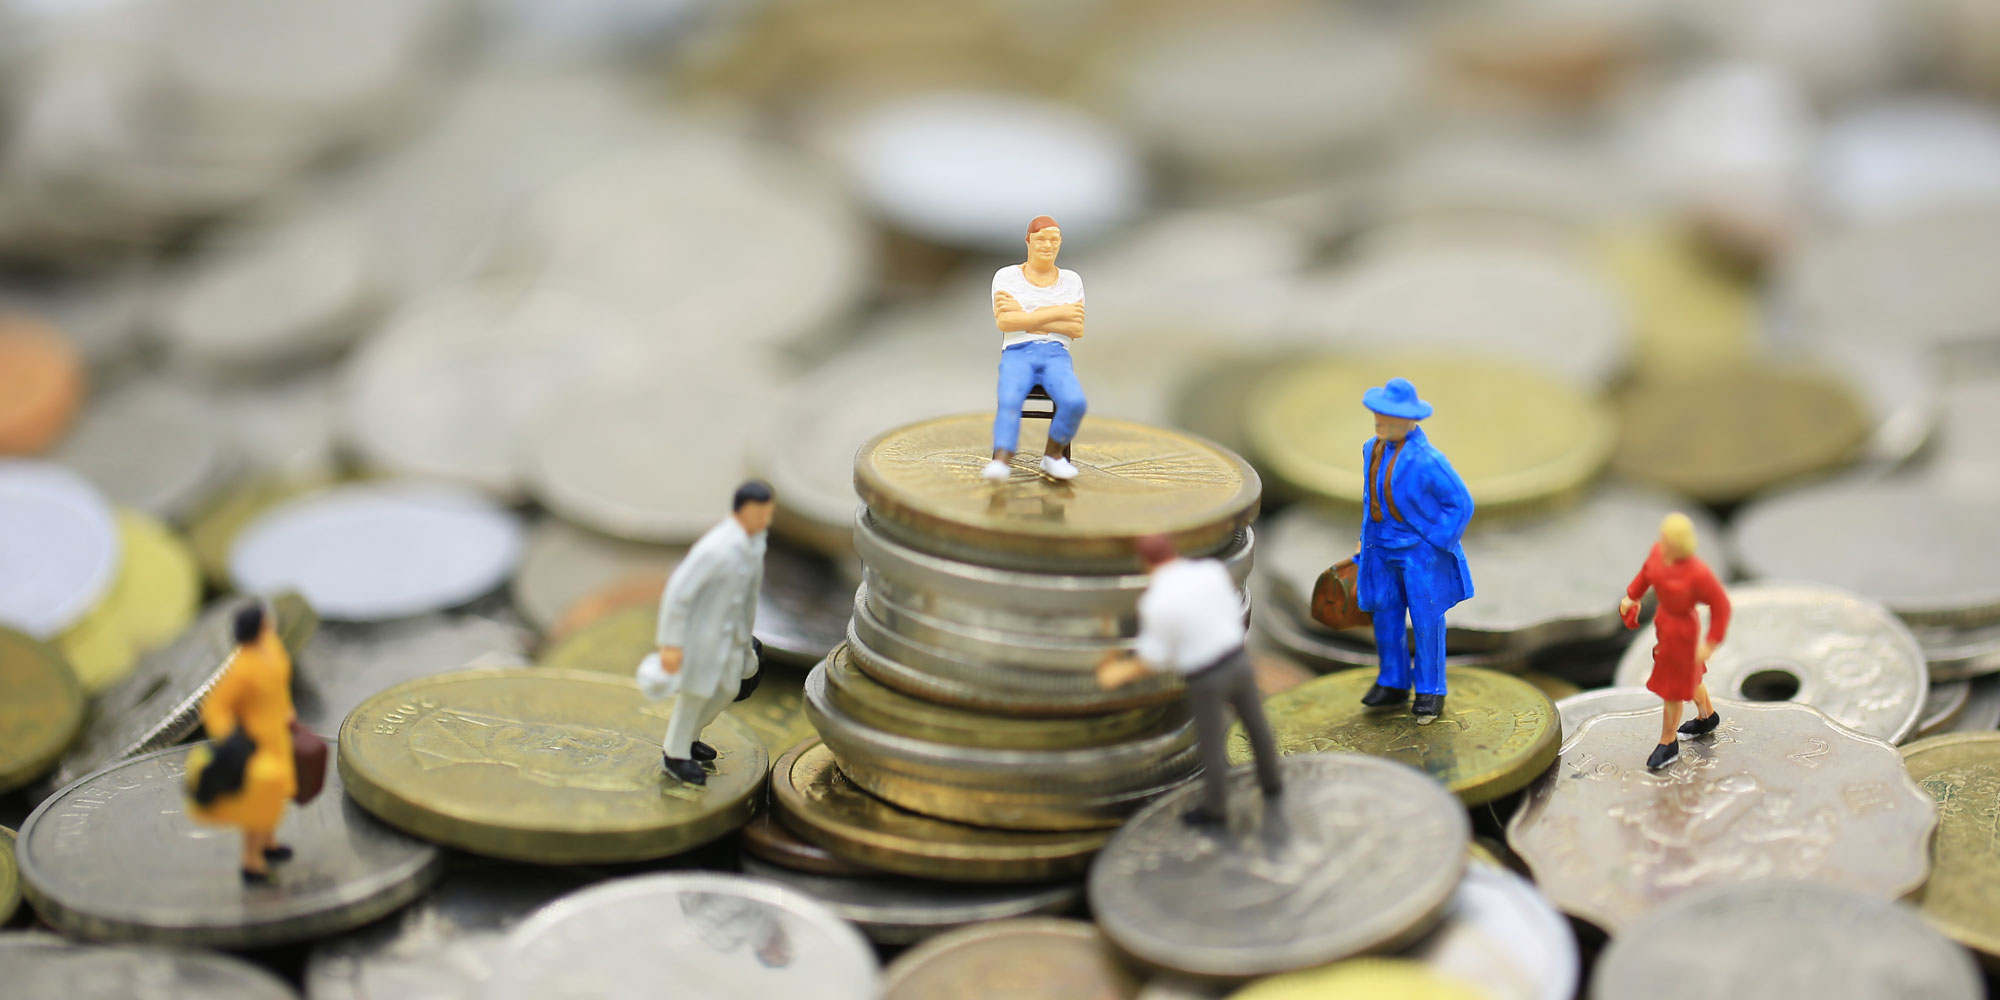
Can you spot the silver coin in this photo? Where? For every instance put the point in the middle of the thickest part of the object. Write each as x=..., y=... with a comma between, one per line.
x=1578, y=709
x=1913, y=279
x=1778, y=791
x=947, y=681
x=87, y=875
x=282, y=429
x=1359, y=854
x=159, y=704
x=1842, y=654
x=1783, y=939
x=344, y=665
x=593, y=454
x=444, y=946
x=151, y=445
x=1943, y=705
x=1982, y=708
x=1552, y=579
x=39, y=965
x=61, y=545
x=893, y=910
x=1959, y=653
x=1893, y=156
x=1967, y=455
x=563, y=563
x=1900, y=543
x=803, y=607
x=1501, y=933
x=709, y=935
x=376, y=551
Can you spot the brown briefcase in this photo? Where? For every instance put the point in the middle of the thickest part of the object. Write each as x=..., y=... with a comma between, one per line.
x=308, y=763
x=1333, y=601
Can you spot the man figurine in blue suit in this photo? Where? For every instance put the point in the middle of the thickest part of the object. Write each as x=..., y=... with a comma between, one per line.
x=1409, y=561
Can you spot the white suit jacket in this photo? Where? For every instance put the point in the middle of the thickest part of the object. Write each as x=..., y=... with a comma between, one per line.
x=710, y=606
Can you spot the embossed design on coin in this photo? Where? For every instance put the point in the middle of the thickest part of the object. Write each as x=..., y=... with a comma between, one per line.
x=1777, y=791
x=1496, y=734
x=1794, y=939
x=1961, y=772
x=1359, y=854
x=46, y=966
x=1846, y=655
x=548, y=766
x=1012, y=958
x=115, y=856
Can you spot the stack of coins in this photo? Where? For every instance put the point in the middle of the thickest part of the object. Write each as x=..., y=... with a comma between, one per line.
x=965, y=697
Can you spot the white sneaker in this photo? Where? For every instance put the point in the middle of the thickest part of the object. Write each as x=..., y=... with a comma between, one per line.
x=996, y=471
x=1058, y=468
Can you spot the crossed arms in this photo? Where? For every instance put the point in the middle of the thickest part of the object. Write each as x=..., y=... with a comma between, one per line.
x=1065, y=319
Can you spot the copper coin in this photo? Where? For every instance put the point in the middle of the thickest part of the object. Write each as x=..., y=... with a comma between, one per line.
x=41, y=383
x=769, y=839
x=634, y=591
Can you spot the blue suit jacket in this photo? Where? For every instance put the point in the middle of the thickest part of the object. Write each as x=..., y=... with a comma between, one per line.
x=1436, y=505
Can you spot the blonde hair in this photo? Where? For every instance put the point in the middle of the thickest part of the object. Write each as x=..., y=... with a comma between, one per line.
x=1677, y=530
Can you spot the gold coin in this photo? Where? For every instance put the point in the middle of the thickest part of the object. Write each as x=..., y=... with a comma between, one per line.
x=881, y=707
x=616, y=642
x=1496, y=735
x=213, y=531
x=1691, y=313
x=812, y=797
x=1555, y=687
x=42, y=711
x=155, y=595
x=1722, y=435
x=546, y=766
x=922, y=482
x=1962, y=899
x=1519, y=439
x=1363, y=979
x=1042, y=957
x=10, y=877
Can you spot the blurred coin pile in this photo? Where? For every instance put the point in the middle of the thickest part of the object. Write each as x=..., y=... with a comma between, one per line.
x=454, y=321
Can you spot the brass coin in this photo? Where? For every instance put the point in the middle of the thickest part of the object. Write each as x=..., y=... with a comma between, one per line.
x=1721, y=435
x=1402, y=978
x=547, y=766
x=812, y=797
x=42, y=711
x=10, y=877
x=1690, y=311
x=1005, y=959
x=767, y=839
x=152, y=600
x=922, y=483
x=1962, y=899
x=1497, y=733
x=616, y=642
x=1519, y=439
x=874, y=704
x=41, y=383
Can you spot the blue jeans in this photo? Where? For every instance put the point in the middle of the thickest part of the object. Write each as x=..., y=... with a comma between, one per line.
x=1403, y=587
x=1021, y=368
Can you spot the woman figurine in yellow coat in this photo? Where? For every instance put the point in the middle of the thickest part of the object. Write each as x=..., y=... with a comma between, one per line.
x=249, y=775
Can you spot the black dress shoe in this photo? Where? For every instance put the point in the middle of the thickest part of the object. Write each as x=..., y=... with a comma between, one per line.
x=256, y=878
x=278, y=852
x=1428, y=706
x=1702, y=727
x=1201, y=818
x=1382, y=697
x=687, y=771
x=701, y=751
x=1664, y=754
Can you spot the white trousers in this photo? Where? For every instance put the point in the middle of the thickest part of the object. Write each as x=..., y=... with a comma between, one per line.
x=692, y=715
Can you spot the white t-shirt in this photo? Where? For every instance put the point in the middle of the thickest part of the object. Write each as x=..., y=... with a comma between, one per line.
x=1190, y=616
x=1010, y=279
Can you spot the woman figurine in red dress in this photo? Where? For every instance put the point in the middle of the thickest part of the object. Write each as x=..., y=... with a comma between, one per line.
x=1679, y=661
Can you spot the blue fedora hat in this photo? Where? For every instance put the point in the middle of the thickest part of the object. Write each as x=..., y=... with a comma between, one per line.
x=1396, y=398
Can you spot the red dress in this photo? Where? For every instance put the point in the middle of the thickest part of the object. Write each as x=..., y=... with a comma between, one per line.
x=1681, y=586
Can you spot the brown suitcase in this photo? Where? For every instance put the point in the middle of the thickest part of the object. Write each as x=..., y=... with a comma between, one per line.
x=1333, y=602
x=308, y=763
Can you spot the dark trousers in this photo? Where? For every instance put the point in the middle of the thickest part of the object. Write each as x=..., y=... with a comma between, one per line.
x=1211, y=692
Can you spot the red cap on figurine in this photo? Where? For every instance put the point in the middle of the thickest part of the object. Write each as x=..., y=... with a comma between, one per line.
x=1041, y=222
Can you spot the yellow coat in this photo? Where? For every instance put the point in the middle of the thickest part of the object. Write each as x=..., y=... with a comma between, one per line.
x=255, y=693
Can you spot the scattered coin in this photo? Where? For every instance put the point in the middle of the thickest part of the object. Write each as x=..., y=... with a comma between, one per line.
x=769, y=840
x=1003, y=959
x=1331, y=652
x=212, y=533
x=10, y=877
x=344, y=664
x=894, y=910
x=562, y=563
x=1687, y=433
x=1783, y=939
x=152, y=445
x=812, y=796
x=546, y=766
x=1363, y=977
x=1961, y=772
x=1496, y=735
x=1778, y=791
x=1982, y=709
x=1910, y=278
x=1842, y=654
x=1942, y=706
x=87, y=875
x=711, y=935
x=1959, y=653
x=61, y=540
x=1358, y=855
x=151, y=601
x=42, y=713
x=803, y=607
x=1503, y=935
x=43, y=965
x=1689, y=311
x=41, y=384
x=375, y=551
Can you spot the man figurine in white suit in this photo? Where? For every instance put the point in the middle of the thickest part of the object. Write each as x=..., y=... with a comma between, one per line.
x=707, y=656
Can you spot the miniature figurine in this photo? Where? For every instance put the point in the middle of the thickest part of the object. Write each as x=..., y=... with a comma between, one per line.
x=1408, y=559
x=707, y=656
x=1682, y=581
x=1191, y=622
x=1039, y=310
x=246, y=774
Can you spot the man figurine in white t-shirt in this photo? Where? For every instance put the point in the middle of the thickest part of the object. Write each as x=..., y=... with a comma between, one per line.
x=1039, y=310
x=1191, y=622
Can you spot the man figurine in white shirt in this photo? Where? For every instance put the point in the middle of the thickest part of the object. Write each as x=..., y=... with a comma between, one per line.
x=707, y=656
x=1039, y=310
x=1190, y=622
